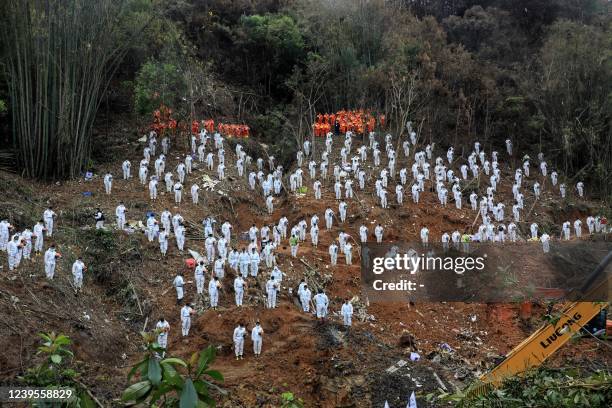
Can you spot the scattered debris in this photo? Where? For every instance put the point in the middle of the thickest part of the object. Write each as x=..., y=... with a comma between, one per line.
x=407, y=340
x=208, y=183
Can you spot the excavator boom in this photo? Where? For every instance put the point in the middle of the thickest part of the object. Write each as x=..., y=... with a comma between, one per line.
x=545, y=341
x=542, y=344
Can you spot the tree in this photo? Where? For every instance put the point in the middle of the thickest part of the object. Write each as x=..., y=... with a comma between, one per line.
x=403, y=71
x=54, y=371
x=61, y=59
x=271, y=45
x=308, y=85
x=158, y=83
x=572, y=94
x=491, y=34
x=162, y=382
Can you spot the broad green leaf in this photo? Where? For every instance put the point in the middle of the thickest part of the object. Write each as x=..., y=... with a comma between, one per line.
x=202, y=404
x=207, y=356
x=137, y=367
x=201, y=387
x=157, y=348
x=167, y=370
x=216, y=387
x=85, y=401
x=174, y=360
x=56, y=358
x=193, y=360
x=159, y=392
x=62, y=340
x=44, y=349
x=208, y=401
x=154, y=372
x=171, y=376
x=189, y=396
x=216, y=375
x=136, y=391
x=69, y=373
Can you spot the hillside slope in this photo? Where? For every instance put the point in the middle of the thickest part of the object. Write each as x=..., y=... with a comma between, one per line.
x=129, y=286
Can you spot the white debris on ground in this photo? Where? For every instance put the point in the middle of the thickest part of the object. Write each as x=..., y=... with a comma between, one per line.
x=208, y=183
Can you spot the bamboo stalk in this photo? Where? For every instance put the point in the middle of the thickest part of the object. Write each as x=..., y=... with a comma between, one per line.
x=63, y=55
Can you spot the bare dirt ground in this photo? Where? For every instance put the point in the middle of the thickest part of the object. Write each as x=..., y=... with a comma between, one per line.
x=129, y=287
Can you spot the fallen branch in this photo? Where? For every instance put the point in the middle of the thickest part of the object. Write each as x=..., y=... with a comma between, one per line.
x=91, y=395
x=136, y=296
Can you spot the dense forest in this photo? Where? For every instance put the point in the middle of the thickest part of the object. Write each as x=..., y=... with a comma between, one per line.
x=536, y=71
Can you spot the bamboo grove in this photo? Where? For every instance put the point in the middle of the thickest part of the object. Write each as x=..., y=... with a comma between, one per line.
x=59, y=56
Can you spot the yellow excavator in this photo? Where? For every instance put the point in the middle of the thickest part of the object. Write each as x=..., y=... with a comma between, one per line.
x=550, y=337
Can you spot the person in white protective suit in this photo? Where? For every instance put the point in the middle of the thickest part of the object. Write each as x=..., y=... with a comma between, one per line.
x=162, y=328
x=255, y=259
x=347, y=313
x=78, y=267
x=162, y=238
x=13, y=248
x=120, y=214
x=239, y=285
x=378, y=233
x=50, y=258
x=321, y=302
x=186, y=312
x=238, y=337
x=5, y=232
x=200, y=271
x=108, y=183
x=545, y=239
x=271, y=291
x=195, y=193
x=213, y=292
x=179, y=284
x=257, y=338
x=126, y=167
x=244, y=261
x=49, y=218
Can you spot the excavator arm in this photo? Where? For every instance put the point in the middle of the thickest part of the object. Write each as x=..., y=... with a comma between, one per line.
x=542, y=344
x=545, y=341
